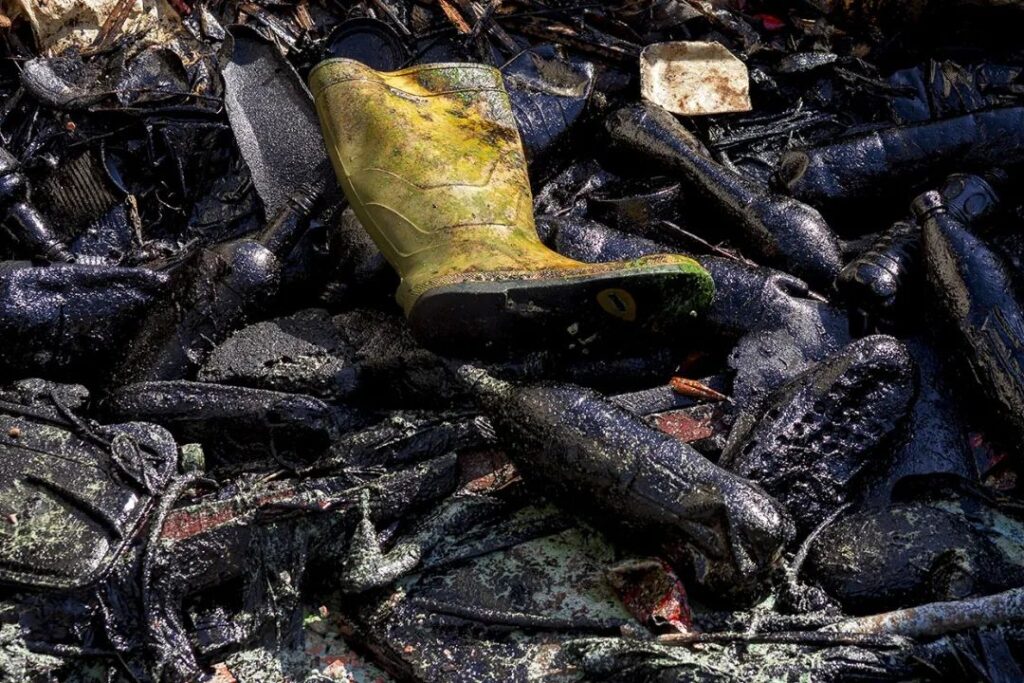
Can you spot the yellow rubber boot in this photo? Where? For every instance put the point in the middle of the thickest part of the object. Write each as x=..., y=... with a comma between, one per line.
x=431, y=162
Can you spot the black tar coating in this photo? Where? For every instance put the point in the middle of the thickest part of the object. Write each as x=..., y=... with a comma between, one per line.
x=897, y=158
x=779, y=328
x=403, y=438
x=63, y=82
x=268, y=549
x=63, y=321
x=273, y=119
x=878, y=279
x=811, y=443
x=213, y=293
x=72, y=498
x=776, y=229
x=607, y=464
x=628, y=659
x=361, y=274
x=637, y=206
x=593, y=242
x=27, y=225
x=236, y=423
x=935, y=435
x=888, y=274
x=974, y=292
x=934, y=543
x=548, y=95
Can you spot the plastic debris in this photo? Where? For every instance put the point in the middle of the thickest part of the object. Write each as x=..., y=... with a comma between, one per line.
x=63, y=24
x=681, y=382
x=480, y=286
x=694, y=78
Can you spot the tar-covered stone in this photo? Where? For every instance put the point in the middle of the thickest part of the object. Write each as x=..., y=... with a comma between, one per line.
x=935, y=543
x=302, y=352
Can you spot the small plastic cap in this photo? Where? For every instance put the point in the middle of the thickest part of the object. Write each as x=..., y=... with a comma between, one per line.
x=926, y=203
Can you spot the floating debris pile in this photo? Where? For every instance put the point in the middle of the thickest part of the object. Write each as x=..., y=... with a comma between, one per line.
x=450, y=340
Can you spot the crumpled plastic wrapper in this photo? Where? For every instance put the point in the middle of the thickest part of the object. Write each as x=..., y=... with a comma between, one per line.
x=62, y=24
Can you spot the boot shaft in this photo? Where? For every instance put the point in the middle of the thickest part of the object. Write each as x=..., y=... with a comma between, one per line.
x=431, y=160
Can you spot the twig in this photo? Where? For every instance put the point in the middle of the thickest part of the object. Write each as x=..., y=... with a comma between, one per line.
x=810, y=294
x=454, y=16
x=500, y=617
x=485, y=17
x=383, y=7
x=482, y=17
x=713, y=248
x=111, y=27
x=618, y=51
x=783, y=637
x=937, y=618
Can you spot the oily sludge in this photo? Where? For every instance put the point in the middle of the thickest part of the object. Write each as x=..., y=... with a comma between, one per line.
x=464, y=341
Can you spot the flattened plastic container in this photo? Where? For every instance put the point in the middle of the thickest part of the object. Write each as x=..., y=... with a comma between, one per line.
x=694, y=78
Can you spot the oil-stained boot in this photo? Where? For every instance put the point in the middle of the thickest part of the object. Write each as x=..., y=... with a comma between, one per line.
x=431, y=161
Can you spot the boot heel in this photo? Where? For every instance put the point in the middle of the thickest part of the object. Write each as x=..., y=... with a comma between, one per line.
x=567, y=313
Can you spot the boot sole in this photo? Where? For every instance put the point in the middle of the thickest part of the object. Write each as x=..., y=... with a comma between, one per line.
x=571, y=314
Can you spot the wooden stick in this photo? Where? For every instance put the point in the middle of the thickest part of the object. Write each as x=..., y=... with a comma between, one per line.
x=453, y=16
x=111, y=27
x=937, y=618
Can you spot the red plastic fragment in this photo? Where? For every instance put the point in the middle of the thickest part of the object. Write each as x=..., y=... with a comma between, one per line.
x=770, y=22
x=201, y=518
x=652, y=592
x=683, y=426
x=997, y=470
